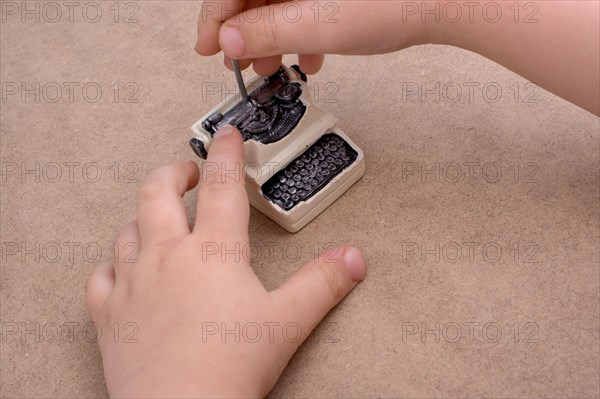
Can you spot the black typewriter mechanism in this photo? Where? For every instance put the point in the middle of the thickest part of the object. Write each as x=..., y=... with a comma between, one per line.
x=271, y=112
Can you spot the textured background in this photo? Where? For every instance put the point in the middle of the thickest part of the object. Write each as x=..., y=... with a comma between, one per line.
x=483, y=272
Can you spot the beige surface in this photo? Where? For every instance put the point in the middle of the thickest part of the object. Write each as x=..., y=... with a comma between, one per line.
x=551, y=217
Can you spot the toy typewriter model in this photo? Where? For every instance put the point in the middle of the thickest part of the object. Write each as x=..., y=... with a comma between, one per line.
x=301, y=161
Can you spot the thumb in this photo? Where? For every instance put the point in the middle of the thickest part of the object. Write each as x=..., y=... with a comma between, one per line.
x=320, y=285
x=288, y=28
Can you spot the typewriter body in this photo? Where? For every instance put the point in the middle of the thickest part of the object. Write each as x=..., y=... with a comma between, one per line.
x=297, y=161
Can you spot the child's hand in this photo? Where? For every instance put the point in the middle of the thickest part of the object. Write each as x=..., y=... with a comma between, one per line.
x=308, y=28
x=205, y=324
x=552, y=43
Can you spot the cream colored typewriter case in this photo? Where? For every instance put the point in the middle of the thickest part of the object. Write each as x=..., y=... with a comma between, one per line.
x=277, y=165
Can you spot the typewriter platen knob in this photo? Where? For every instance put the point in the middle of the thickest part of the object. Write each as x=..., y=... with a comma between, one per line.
x=199, y=148
x=289, y=92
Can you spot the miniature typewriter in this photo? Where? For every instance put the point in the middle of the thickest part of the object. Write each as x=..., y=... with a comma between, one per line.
x=301, y=161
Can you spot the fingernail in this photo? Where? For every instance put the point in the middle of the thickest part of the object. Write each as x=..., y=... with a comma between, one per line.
x=355, y=262
x=232, y=42
x=224, y=131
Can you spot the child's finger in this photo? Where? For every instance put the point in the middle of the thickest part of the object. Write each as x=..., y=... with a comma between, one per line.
x=161, y=211
x=310, y=63
x=243, y=63
x=212, y=15
x=318, y=286
x=267, y=66
x=97, y=288
x=222, y=199
x=127, y=248
x=209, y=22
